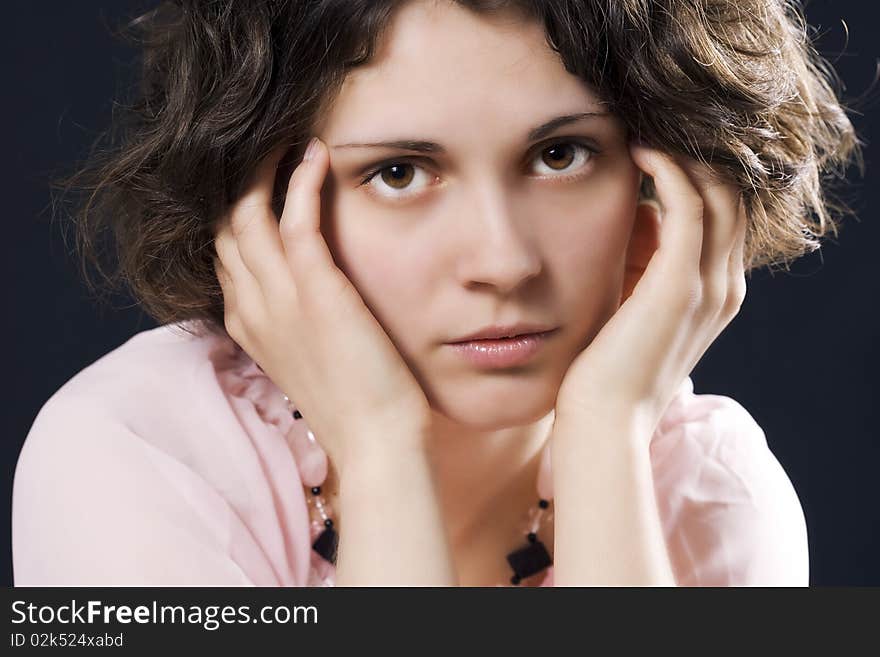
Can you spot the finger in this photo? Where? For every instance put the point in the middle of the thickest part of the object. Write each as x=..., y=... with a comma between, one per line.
x=736, y=265
x=255, y=228
x=247, y=292
x=681, y=227
x=307, y=252
x=226, y=285
x=736, y=261
x=720, y=214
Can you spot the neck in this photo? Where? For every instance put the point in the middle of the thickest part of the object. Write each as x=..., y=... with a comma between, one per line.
x=482, y=475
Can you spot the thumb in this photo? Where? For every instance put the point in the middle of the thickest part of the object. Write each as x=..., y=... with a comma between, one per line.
x=644, y=241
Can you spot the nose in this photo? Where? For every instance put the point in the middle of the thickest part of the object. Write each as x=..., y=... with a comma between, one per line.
x=499, y=247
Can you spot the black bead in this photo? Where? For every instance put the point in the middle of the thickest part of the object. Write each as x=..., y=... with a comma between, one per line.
x=532, y=536
x=326, y=545
x=316, y=490
x=543, y=504
x=529, y=560
x=515, y=580
x=328, y=523
x=297, y=415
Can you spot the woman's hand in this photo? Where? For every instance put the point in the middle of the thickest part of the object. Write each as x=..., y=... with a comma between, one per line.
x=691, y=289
x=303, y=322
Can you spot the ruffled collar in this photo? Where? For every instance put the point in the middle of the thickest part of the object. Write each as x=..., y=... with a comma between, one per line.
x=270, y=403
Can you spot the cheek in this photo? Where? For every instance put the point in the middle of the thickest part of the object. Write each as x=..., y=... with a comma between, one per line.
x=586, y=240
x=380, y=263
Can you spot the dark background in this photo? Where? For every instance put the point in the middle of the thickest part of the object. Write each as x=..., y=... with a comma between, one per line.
x=801, y=356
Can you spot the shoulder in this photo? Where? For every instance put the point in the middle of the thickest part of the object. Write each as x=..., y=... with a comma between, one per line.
x=175, y=379
x=193, y=398
x=171, y=439
x=699, y=425
x=146, y=370
x=731, y=514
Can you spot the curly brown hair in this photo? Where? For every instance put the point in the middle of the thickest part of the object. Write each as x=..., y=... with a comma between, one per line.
x=736, y=84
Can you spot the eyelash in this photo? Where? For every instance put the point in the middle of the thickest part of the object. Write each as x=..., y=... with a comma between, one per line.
x=374, y=171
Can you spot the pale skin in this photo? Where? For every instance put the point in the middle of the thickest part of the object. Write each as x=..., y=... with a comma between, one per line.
x=346, y=300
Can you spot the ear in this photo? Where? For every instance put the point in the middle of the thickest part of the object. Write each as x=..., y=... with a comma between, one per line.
x=643, y=242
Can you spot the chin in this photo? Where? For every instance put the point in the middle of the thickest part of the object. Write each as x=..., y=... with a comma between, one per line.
x=496, y=406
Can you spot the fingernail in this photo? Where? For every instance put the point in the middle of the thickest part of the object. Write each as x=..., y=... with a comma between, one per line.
x=310, y=151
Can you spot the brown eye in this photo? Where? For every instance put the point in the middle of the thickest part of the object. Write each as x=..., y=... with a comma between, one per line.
x=397, y=181
x=558, y=156
x=568, y=157
x=397, y=176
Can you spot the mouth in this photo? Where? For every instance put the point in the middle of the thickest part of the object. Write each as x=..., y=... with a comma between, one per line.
x=511, y=351
x=505, y=332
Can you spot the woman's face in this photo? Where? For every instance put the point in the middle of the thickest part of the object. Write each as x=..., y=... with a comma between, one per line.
x=493, y=225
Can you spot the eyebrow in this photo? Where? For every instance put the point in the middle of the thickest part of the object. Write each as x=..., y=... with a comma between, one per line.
x=421, y=146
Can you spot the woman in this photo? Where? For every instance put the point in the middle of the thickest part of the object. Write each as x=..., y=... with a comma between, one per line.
x=337, y=323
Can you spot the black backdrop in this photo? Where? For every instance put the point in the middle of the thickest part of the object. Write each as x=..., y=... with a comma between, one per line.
x=801, y=356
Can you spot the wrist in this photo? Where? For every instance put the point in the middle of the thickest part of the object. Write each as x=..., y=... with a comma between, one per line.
x=376, y=453
x=382, y=478
x=628, y=426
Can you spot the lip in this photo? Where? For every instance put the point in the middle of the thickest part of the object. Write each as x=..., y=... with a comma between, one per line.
x=502, y=352
x=508, y=331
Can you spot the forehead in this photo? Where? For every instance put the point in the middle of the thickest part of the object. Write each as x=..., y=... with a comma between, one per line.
x=440, y=65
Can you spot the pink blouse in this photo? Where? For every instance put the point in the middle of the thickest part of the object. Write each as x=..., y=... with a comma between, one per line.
x=174, y=460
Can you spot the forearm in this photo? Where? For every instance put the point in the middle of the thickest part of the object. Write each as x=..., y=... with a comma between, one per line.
x=394, y=533
x=607, y=526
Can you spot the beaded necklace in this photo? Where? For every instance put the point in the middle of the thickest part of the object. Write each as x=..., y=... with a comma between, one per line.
x=525, y=561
